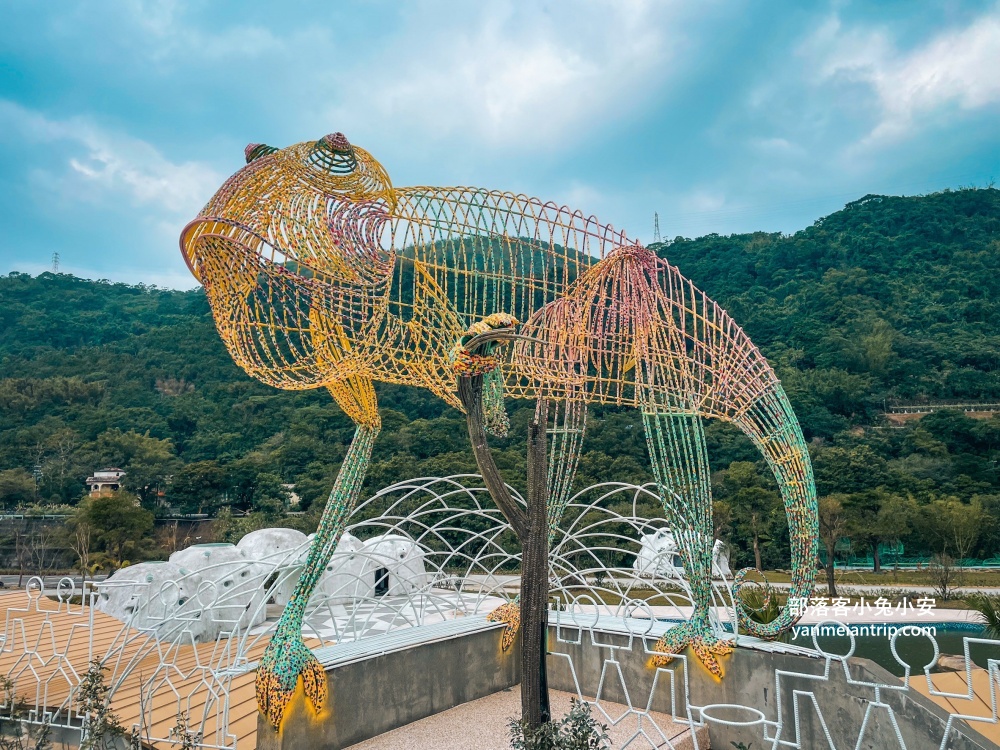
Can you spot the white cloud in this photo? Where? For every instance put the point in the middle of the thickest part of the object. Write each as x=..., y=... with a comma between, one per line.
x=514, y=76
x=102, y=166
x=165, y=35
x=702, y=200
x=955, y=68
x=581, y=196
x=74, y=168
x=776, y=147
x=156, y=17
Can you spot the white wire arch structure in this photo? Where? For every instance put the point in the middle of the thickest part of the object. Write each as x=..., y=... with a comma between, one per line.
x=442, y=551
x=190, y=635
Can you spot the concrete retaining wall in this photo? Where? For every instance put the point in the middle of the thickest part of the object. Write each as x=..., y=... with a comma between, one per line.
x=375, y=694
x=750, y=681
x=372, y=696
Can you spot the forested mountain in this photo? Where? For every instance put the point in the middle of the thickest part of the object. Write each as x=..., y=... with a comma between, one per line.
x=890, y=298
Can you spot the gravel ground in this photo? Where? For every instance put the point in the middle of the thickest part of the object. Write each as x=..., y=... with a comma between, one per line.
x=482, y=725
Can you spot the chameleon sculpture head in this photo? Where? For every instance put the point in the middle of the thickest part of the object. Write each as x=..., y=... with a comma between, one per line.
x=321, y=273
x=288, y=252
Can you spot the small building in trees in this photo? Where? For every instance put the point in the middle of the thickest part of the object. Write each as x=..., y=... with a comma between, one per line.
x=104, y=482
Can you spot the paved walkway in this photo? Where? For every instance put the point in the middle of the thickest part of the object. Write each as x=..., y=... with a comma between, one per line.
x=583, y=615
x=482, y=725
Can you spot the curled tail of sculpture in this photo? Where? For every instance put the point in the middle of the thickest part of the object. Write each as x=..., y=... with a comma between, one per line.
x=801, y=588
x=784, y=448
x=801, y=513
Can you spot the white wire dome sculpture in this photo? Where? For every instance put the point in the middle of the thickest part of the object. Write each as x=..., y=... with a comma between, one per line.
x=468, y=560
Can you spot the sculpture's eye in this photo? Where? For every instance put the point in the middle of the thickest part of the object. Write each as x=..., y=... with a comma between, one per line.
x=254, y=151
x=334, y=153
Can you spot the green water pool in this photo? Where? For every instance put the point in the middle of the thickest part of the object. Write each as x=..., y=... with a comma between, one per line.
x=914, y=648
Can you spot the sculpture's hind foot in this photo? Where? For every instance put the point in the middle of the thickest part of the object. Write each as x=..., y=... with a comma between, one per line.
x=284, y=661
x=509, y=613
x=705, y=645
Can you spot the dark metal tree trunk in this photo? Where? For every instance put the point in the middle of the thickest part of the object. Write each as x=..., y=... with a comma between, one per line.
x=532, y=531
x=535, y=580
x=876, y=560
x=470, y=393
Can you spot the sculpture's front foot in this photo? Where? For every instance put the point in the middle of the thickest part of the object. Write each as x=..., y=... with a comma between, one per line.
x=284, y=661
x=509, y=613
x=705, y=645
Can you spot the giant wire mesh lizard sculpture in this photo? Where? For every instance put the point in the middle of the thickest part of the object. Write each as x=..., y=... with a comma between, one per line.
x=321, y=273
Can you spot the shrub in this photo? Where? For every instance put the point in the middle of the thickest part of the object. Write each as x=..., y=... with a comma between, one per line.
x=759, y=606
x=102, y=727
x=577, y=730
x=989, y=613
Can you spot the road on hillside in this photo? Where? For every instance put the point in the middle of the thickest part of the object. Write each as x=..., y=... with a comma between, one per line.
x=512, y=583
x=10, y=582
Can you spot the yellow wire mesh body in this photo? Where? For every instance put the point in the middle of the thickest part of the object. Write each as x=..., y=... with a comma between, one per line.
x=314, y=277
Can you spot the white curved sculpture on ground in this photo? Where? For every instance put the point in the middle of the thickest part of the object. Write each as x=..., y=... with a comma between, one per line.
x=720, y=559
x=208, y=590
x=238, y=583
x=161, y=596
x=384, y=565
x=659, y=557
x=394, y=564
x=281, y=550
x=344, y=579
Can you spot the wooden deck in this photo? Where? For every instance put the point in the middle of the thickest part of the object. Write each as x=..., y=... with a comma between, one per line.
x=980, y=704
x=48, y=647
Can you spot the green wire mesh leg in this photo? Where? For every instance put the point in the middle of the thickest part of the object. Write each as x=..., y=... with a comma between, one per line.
x=565, y=445
x=565, y=437
x=680, y=466
x=286, y=656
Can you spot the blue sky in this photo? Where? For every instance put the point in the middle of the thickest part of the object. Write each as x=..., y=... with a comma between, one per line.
x=119, y=119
